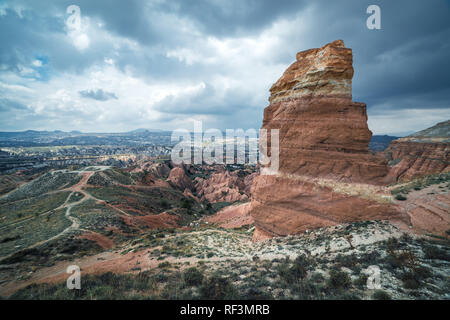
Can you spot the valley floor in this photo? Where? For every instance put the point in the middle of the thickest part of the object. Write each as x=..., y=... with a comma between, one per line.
x=130, y=244
x=329, y=263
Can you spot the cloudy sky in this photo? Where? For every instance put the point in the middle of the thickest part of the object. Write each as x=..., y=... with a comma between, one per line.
x=162, y=64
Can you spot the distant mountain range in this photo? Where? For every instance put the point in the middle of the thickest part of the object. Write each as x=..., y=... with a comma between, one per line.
x=33, y=138
x=442, y=129
x=141, y=136
x=380, y=143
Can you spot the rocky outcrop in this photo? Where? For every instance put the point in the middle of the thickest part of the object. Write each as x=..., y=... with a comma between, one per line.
x=326, y=71
x=224, y=186
x=180, y=179
x=323, y=133
x=420, y=154
x=412, y=160
x=324, y=153
x=429, y=209
x=284, y=205
x=156, y=169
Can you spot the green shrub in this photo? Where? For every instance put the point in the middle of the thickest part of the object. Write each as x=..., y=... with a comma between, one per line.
x=164, y=204
x=164, y=264
x=381, y=295
x=296, y=271
x=347, y=296
x=400, y=197
x=186, y=204
x=299, y=268
x=257, y=294
x=193, y=277
x=218, y=288
x=339, y=280
x=362, y=280
x=411, y=283
x=432, y=252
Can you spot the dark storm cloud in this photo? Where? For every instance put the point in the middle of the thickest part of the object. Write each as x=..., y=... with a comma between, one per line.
x=98, y=94
x=226, y=18
x=7, y=105
x=207, y=100
x=403, y=66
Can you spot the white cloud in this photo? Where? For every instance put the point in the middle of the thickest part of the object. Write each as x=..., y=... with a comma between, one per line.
x=166, y=67
x=405, y=121
x=37, y=63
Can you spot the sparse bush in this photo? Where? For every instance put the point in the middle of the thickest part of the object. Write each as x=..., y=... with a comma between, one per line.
x=161, y=277
x=349, y=261
x=164, y=204
x=296, y=271
x=317, y=277
x=381, y=295
x=218, y=288
x=433, y=252
x=164, y=264
x=400, y=197
x=257, y=294
x=411, y=283
x=392, y=244
x=393, y=262
x=186, y=204
x=347, y=296
x=362, y=280
x=193, y=277
x=299, y=268
x=339, y=280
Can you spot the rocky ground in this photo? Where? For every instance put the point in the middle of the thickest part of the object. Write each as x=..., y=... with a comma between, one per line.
x=327, y=263
x=130, y=244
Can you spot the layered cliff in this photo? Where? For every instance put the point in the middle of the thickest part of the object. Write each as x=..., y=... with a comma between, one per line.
x=323, y=133
x=420, y=154
x=326, y=173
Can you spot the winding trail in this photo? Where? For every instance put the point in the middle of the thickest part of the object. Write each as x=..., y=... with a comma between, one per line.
x=77, y=188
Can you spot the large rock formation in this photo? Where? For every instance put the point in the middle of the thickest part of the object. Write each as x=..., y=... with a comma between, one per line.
x=326, y=173
x=180, y=179
x=225, y=186
x=422, y=153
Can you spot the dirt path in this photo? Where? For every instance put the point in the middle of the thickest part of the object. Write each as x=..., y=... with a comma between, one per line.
x=86, y=196
x=77, y=188
x=68, y=206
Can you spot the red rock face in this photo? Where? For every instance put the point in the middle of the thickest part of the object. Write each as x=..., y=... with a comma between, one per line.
x=234, y=216
x=224, y=187
x=417, y=159
x=281, y=206
x=325, y=137
x=179, y=179
x=324, y=149
x=157, y=170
